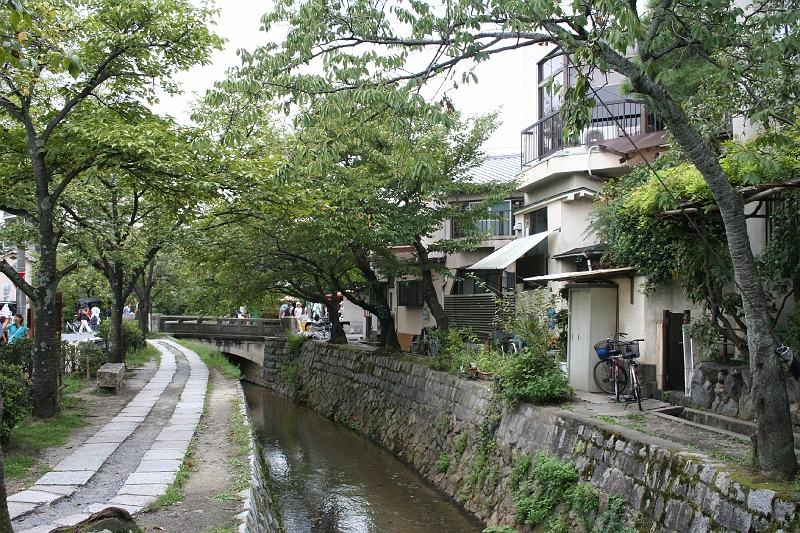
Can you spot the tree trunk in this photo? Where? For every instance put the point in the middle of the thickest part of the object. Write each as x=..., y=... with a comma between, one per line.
x=115, y=344
x=5, y=519
x=431, y=293
x=775, y=440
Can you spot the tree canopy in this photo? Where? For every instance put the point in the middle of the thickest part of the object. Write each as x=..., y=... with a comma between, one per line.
x=751, y=49
x=70, y=67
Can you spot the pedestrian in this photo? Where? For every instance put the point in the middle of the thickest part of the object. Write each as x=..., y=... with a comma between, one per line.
x=3, y=329
x=19, y=329
x=84, y=318
x=126, y=312
x=94, y=321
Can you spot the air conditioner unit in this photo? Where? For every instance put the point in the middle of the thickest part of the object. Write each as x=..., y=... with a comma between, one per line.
x=592, y=137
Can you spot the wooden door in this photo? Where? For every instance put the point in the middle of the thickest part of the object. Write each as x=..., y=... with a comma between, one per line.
x=673, y=351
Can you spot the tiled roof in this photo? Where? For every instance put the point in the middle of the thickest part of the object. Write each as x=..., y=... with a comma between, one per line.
x=503, y=168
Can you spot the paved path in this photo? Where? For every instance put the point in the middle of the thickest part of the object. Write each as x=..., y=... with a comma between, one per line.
x=155, y=427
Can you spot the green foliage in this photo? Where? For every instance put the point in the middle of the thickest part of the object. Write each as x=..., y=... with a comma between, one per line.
x=443, y=462
x=538, y=491
x=289, y=374
x=132, y=337
x=213, y=359
x=452, y=354
x=533, y=374
x=18, y=353
x=545, y=490
x=295, y=341
x=15, y=389
x=79, y=356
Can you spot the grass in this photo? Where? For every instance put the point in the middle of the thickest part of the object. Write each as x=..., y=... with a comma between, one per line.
x=239, y=437
x=138, y=358
x=213, y=358
x=32, y=435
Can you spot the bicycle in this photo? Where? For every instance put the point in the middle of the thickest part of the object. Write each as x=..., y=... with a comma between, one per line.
x=506, y=342
x=72, y=326
x=610, y=374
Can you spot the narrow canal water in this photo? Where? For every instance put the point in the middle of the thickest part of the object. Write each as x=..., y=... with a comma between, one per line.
x=330, y=479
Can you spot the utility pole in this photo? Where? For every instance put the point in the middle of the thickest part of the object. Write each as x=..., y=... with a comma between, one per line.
x=22, y=299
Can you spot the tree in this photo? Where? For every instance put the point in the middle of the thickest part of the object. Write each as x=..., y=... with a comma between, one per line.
x=61, y=58
x=132, y=206
x=5, y=518
x=753, y=49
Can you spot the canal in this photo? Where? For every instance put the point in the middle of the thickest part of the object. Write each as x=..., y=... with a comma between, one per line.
x=330, y=479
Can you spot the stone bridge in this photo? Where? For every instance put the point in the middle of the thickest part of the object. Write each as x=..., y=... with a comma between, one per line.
x=242, y=337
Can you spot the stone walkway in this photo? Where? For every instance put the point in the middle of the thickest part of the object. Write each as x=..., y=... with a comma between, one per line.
x=156, y=428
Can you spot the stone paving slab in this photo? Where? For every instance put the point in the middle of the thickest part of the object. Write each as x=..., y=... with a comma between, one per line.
x=16, y=509
x=171, y=445
x=87, y=457
x=135, y=411
x=97, y=507
x=64, y=490
x=136, y=419
x=117, y=425
x=163, y=455
x=180, y=427
x=171, y=465
x=177, y=436
x=35, y=496
x=131, y=499
x=107, y=438
x=47, y=528
x=150, y=489
x=65, y=478
x=147, y=478
x=73, y=519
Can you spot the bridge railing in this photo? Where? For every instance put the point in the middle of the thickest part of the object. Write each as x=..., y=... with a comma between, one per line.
x=210, y=325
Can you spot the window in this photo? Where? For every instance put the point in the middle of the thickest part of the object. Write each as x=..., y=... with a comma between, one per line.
x=499, y=224
x=550, y=68
x=410, y=293
x=534, y=263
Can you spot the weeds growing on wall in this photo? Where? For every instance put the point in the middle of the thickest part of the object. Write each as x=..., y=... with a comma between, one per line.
x=289, y=374
x=545, y=490
x=294, y=342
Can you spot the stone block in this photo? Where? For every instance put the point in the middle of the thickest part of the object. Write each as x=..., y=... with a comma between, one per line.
x=109, y=376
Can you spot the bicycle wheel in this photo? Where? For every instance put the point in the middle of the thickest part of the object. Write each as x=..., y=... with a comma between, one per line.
x=636, y=388
x=602, y=375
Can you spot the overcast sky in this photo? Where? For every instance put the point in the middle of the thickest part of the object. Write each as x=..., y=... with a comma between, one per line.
x=501, y=79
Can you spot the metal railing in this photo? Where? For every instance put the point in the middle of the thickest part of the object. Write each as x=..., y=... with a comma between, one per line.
x=546, y=136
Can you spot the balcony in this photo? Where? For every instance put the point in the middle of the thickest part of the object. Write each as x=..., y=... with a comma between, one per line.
x=546, y=137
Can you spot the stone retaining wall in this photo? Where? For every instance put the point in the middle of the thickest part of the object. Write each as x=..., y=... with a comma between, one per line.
x=260, y=514
x=724, y=389
x=433, y=421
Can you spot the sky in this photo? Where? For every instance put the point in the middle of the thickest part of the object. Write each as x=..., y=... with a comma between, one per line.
x=501, y=80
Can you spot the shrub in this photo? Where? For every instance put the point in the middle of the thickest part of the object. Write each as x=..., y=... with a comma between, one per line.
x=452, y=354
x=82, y=355
x=15, y=389
x=18, y=353
x=132, y=337
x=533, y=374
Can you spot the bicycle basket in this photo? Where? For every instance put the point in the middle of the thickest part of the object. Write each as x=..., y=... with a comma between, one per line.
x=603, y=349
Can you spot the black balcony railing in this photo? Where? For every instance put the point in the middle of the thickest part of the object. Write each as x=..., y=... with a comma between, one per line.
x=608, y=122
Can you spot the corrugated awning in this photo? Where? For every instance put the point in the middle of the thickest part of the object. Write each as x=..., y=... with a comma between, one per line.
x=587, y=275
x=501, y=258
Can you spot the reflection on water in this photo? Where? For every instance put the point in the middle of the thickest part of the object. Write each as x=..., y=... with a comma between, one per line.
x=330, y=479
